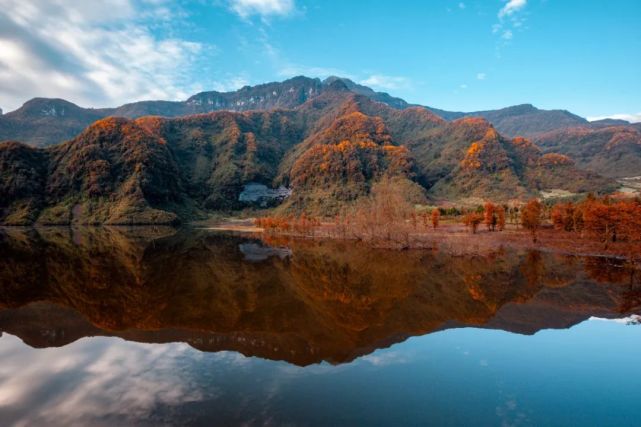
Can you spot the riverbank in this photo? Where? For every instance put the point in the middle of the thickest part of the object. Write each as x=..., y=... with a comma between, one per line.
x=449, y=236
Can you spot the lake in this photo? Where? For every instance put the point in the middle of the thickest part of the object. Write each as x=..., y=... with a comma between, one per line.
x=156, y=326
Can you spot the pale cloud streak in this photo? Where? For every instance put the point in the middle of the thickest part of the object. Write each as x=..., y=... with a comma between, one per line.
x=507, y=35
x=510, y=19
x=92, y=53
x=630, y=117
x=291, y=70
x=263, y=8
x=380, y=81
x=511, y=7
x=230, y=84
x=94, y=379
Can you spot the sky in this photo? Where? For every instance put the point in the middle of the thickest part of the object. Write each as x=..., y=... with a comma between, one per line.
x=579, y=55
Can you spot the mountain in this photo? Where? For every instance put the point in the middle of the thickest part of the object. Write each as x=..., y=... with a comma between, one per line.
x=23, y=174
x=521, y=120
x=613, y=151
x=383, y=97
x=42, y=121
x=469, y=158
x=331, y=150
x=113, y=172
x=608, y=122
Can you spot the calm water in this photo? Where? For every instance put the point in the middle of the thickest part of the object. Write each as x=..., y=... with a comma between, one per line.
x=164, y=327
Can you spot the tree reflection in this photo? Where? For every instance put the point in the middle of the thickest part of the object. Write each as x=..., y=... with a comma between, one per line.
x=301, y=301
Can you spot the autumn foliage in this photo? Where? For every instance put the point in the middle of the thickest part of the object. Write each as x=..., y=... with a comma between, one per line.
x=531, y=217
x=302, y=224
x=500, y=222
x=606, y=220
x=611, y=221
x=490, y=216
x=472, y=220
x=436, y=215
x=353, y=150
x=386, y=219
x=567, y=217
x=385, y=216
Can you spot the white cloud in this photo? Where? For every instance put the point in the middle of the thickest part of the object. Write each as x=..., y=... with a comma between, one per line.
x=386, y=358
x=461, y=5
x=481, y=76
x=633, y=319
x=511, y=7
x=379, y=81
x=285, y=68
x=632, y=118
x=463, y=86
x=92, y=53
x=102, y=379
x=510, y=19
x=264, y=8
x=292, y=70
x=231, y=84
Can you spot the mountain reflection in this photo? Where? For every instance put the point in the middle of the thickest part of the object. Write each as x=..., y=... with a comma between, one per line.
x=303, y=301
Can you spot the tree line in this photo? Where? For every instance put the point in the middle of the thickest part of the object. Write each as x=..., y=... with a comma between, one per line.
x=386, y=217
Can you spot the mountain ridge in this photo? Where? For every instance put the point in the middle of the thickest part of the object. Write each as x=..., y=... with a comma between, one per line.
x=42, y=125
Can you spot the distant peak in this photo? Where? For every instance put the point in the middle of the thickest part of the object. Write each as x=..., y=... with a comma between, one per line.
x=302, y=79
x=331, y=79
x=522, y=108
x=109, y=123
x=45, y=102
x=473, y=121
x=338, y=85
x=54, y=107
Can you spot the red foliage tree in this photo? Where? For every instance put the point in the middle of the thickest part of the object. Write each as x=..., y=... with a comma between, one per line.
x=472, y=221
x=611, y=221
x=563, y=216
x=501, y=218
x=490, y=216
x=531, y=217
x=436, y=216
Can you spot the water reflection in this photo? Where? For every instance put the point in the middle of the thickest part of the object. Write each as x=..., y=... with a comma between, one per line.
x=303, y=303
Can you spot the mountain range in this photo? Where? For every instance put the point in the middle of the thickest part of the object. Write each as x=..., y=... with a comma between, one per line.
x=329, y=141
x=45, y=121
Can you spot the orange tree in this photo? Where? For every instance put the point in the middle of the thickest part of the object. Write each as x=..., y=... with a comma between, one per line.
x=531, y=217
x=472, y=221
x=436, y=215
x=490, y=216
x=501, y=218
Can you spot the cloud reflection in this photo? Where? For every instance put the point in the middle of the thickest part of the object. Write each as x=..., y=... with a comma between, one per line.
x=92, y=381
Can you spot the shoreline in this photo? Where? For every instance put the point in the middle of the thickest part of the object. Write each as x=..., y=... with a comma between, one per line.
x=454, y=238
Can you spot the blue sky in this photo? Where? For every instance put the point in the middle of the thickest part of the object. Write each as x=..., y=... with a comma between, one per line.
x=584, y=56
